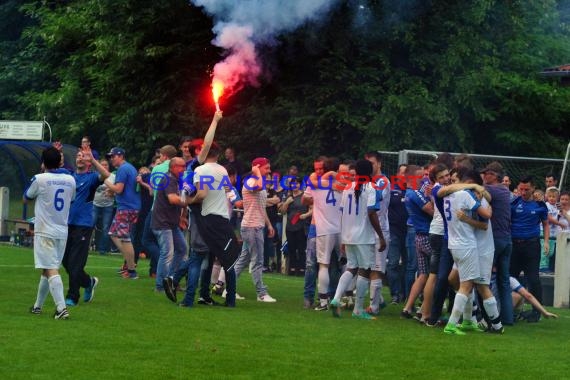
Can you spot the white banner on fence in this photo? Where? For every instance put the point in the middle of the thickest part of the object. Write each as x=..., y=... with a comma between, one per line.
x=21, y=130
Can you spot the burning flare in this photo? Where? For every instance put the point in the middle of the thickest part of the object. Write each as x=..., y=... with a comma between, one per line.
x=217, y=91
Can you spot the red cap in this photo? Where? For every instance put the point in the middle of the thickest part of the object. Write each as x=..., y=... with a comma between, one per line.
x=261, y=161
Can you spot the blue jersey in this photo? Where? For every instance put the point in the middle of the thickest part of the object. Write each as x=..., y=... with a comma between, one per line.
x=526, y=218
x=80, y=213
x=415, y=201
x=129, y=199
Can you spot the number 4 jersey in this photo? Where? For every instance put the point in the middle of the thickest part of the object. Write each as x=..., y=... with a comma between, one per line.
x=326, y=210
x=53, y=193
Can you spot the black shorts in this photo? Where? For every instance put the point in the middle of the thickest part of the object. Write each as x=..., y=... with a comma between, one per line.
x=220, y=238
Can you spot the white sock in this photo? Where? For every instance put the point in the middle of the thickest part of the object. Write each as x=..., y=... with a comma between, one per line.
x=468, y=310
x=216, y=269
x=343, y=284
x=324, y=282
x=362, y=285
x=43, y=290
x=458, y=307
x=56, y=290
x=375, y=294
x=490, y=306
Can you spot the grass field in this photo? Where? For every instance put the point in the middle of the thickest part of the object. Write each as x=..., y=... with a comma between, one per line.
x=130, y=332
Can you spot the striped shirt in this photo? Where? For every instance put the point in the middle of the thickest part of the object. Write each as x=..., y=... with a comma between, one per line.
x=253, y=207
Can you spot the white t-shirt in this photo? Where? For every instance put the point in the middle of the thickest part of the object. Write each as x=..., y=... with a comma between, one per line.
x=53, y=193
x=485, y=242
x=214, y=177
x=326, y=211
x=384, y=188
x=355, y=225
x=460, y=234
x=553, y=211
x=436, y=226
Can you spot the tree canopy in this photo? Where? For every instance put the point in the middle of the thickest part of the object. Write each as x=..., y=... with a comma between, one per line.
x=431, y=75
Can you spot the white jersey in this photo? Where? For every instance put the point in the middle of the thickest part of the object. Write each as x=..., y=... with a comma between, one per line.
x=356, y=228
x=485, y=242
x=460, y=234
x=554, y=228
x=384, y=188
x=326, y=211
x=53, y=193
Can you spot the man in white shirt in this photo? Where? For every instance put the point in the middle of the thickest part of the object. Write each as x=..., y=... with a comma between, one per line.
x=53, y=192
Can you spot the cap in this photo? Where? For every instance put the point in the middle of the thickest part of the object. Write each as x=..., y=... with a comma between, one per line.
x=259, y=161
x=494, y=167
x=115, y=151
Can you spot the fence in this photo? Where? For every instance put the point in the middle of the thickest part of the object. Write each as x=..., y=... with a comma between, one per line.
x=515, y=167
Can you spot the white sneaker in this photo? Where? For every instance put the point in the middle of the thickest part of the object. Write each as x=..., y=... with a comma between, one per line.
x=238, y=297
x=266, y=298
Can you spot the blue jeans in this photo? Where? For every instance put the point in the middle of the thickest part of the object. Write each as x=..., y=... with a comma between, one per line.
x=150, y=244
x=172, y=253
x=395, y=271
x=412, y=262
x=194, y=268
x=102, y=218
x=311, y=269
x=252, y=251
x=502, y=262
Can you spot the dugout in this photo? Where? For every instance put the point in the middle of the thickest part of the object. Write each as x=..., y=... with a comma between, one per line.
x=20, y=161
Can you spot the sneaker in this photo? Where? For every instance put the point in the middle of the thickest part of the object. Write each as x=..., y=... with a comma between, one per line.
x=371, y=312
x=70, y=302
x=335, y=308
x=406, y=314
x=90, y=291
x=452, y=330
x=169, y=288
x=238, y=297
x=207, y=301
x=363, y=315
x=218, y=289
x=182, y=304
x=492, y=330
x=307, y=303
x=122, y=270
x=320, y=307
x=131, y=275
x=432, y=323
x=469, y=326
x=395, y=300
x=35, y=310
x=533, y=317
x=265, y=298
x=418, y=317
x=64, y=314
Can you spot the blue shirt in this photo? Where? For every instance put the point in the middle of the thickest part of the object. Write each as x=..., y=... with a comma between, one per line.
x=501, y=204
x=81, y=210
x=526, y=218
x=415, y=201
x=129, y=199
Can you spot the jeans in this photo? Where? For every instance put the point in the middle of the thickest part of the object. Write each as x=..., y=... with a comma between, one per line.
x=395, y=271
x=195, y=260
x=268, y=247
x=252, y=251
x=412, y=262
x=102, y=218
x=172, y=253
x=311, y=269
x=502, y=262
x=150, y=244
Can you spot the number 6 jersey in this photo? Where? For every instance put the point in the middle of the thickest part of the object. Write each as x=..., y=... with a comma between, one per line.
x=53, y=192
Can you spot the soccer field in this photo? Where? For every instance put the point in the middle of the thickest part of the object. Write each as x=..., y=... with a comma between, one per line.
x=128, y=331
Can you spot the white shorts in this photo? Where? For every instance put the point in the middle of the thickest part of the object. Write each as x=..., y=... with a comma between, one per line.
x=360, y=256
x=485, y=268
x=467, y=260
x=325, y=245
x=381, y=257
x=48, y=252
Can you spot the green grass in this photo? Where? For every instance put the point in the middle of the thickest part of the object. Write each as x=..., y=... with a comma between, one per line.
x=130, y=332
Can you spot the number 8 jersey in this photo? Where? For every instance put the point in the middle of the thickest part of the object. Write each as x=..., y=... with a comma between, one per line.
x=53, y=193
